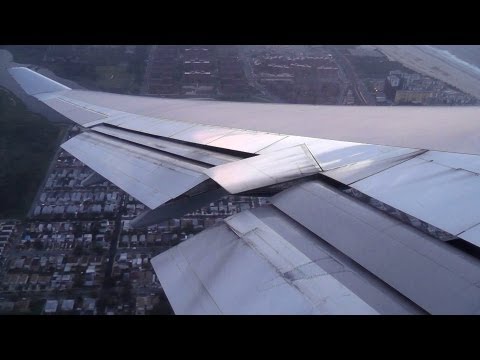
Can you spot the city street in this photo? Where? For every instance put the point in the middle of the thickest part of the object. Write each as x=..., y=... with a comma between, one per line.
x=361, y=93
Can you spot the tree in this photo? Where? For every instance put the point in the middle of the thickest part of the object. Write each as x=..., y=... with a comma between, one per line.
x=27, y=143
x=126, y=293
x=78, y=281
x=108, y=283
x=36, y=306
x=78, y=251
x=98, y=249
x=162, y=307
x=38, y=245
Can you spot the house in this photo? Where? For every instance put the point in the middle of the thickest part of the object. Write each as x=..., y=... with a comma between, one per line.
x=144, y=303
x=12, y=279
x=34, y=279
x=96, y=260
x=43, y=261
x=59, y=261
x=87, y=238
x=22, y=305
x=51, y=306
x=89, y=305
x=27, y=264
x=67, y=305
x=6, y=306
x=23, y=279
x=19, y=263
x=84, y=261
x=43, y=279
x=35, y=265
x=137, y=262
x=134, y=240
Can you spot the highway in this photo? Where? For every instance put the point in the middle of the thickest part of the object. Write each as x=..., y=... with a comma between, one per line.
x=361, y=93
x=115, y=239
x=148, y=69
x=249, y=74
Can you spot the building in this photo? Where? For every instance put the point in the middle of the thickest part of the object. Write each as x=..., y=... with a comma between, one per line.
x=416, y=89
x=67, y=305
x=51, y=306
x=413, y=97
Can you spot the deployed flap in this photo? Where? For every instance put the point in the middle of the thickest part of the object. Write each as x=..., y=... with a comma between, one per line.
x=265, y=170
x=151, y=177
x=435, y=276
x=175, y=148
x=176, y=208
x=252, y=270
x=439, y=188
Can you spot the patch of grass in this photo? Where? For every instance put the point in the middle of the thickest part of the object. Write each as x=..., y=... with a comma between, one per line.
x=27, y=144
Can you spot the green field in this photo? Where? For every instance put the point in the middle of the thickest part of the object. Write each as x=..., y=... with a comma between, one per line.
x=27, y=144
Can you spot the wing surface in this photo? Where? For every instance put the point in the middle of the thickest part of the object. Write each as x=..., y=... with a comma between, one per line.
x=451, y=129
x=370, y=204
x=316, y=250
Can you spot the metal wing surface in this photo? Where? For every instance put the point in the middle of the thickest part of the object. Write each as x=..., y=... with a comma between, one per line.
x=375, y=210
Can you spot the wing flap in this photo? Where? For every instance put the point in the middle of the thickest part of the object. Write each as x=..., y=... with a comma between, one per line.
x=149, y=176
x=431, y=190
x=430, y=273
x=184, y=150
x=255, y=272
x=265, y=170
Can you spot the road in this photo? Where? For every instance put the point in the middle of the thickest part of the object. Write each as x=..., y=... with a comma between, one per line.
x=148, y=67
x=245, y=57
x=361, y=93
x=152, y=250
x=85, y=291
x=115, y=239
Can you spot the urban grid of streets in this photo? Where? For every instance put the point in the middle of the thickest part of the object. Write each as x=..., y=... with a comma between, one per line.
x=87, y=250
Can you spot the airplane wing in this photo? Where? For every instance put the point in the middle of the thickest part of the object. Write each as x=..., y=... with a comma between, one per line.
x=374, y=210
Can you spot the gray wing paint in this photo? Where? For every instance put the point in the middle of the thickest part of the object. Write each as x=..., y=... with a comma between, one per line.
x=421, y=161
x=451, y=129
